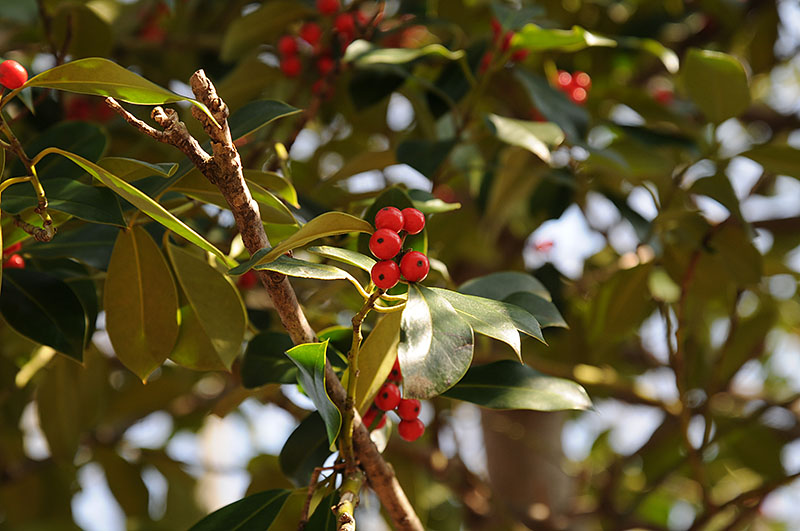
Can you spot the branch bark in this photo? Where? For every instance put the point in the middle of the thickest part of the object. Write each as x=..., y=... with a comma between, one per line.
x=224, y=169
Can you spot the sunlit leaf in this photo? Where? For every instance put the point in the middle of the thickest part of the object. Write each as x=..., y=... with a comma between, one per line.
x=346, y=256
x=363, y=53
x=542, y=309
x=536, y=38
x=376, y=358
x=717, y=82
x=536, y=137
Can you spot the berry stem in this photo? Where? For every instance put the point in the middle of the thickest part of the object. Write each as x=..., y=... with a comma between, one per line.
x=351, y=486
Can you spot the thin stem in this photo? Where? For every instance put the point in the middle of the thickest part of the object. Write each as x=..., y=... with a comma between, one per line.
x=348, y=501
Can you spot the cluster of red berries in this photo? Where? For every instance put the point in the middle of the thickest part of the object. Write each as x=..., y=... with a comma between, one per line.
x=12, y=260
x=386, y=243
x=575, y=85
x=388, y=399
x=12, y=74
x=505, y=43
x=345, y=28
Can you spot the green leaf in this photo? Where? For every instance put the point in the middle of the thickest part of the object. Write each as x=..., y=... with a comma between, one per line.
x=427, y=203
x=89, y=203
x=323, y=518
x=125, y=481
x=90, y=244
x=130, y=170
x=142, y=202
x=101, y=77
x=141, y=303
x=425, y=156
x=537, y=39
x=305, y=449
x=376, y=358
x=777, y=159
x=500, y=285
x=364, y=53
x=255, y=512
x=327, y=224
x=493, y=318
x=361, y=162
x=717, y=82
x=719, y=188
x=295, y=267
x=264, y=25
x=536, y=137
x=218, y=315
x=542, y=309
x=265, y=361
x=554, y=105
x=668, y=58
x=257, y=114
x=278, y=184
x=59, y=410
x=436, y=344
x=353, y=258
x=85, y=139
x=509, y=385
x=512, y=18
x=44, y=309
x=79, y=280
x=310, y=361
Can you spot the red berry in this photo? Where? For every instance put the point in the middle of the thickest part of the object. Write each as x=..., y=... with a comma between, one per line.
x=11, y=249
x=311, y=33
x=414, y=266
x=325, y=65
x=578, y=95
x=15, y=261
x=345, y=23
x=582, y=80
x=371, y=416
x=663, y=96
x=408, y=408
x=361, y=18
x=327, y=7
x=486, y=60
x=388, y=397
x=520, y=55
x=396, y=375
x=411, y=430
x=291, y=66
x=12, y=74
x=564, y=79
x=248, y=280
x=413, y=220
x=389, y=218
x=507, y=41
x=497, y=28
x=385, y=244
x=385, y=274
x=287, y=45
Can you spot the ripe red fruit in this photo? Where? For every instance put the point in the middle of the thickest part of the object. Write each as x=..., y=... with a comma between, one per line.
x=507, y=41
x=11, y=249
x=385, y=274
x=385, y=244
x=408, y=408
x=578, y=95
x=396, y=375
x=388, y=397
x=371, y=416
x=287, y=45
x=411, y=430
x=248, y=280
x=413, y=220
x=15, y=261
x=486, y=60
x=582, y=80
x=12, y=74
x=311, y=33
x=497, y=28
x=325, y=65
x=389, y=218
x=327, y=7
x=414, y=266
x=564, y=79
x=345, y=23
x=291, y=66
x=520, y=55
x=663, y=96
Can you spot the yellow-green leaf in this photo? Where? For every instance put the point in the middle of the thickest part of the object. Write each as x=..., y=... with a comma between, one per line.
x=141, y=303
x=376, y=358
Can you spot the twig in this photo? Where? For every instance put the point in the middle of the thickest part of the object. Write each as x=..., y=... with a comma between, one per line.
x=351, y=486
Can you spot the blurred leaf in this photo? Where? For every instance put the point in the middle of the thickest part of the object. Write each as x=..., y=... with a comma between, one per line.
x=131, y=169
x=717, y=83
x=364, y=53
x=512, y=18
x=500, y=285
x=81, y=138
x=59, y=410
x=89, y=203
x=260, y=113
x=265, y=360
x=362, y=162
x=90, y=244
x=376, y=358
x=425, y=156
x=542, y=309
x=310, y=361
x=536, y=39
x=141, y=303
x=427, y=203
x=305, y=449
x=327, y=224
x=536, y=137
x=718, y=188
x=620, y=304
x=554, y=105
x=507, y=384
x=668, y=57
x=436, y=344
x=275, y=183
x=125, y=481
x=747, y=342
x=346, y=256
x=265, y=474
x=142, y=202
x=101, y=77
x=264, y=25
x=256, y=511
x=372, y=85
x=43, y=308
x=778, y=159
x=216, y=308
x=82, y=31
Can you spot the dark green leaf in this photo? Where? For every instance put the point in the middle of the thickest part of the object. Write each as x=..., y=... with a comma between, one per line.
x=44, y=309
x=89, y=203
x=265, y=360
x=323, y=518
x=82, y=138
x=436, y=344
x=253, y=513
x=717, y=82
x=90, y=244
x=264, y=25
x=500, y=285
x=257, y=114
x=305, y=449
x=425, y=156
x=310, y=361
x=554, y=105
x=132, y=170
x=510, y=385
x=778, y=159
x=542, y=309
x=369, y=86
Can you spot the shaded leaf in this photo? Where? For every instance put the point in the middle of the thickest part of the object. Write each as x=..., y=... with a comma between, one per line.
x=554, y=105
x=354, y=258
x=364, y=161
x=90, y=244
x=500, y=285
x=436, y=344
x=376, y=358
x=131, y=169
x=295, y=267
x=364, y=53
x=275, y=183
x=265, y=360
x=264, y=25
x=323, y=518
x=85, y=139
x=778, y=159
x=257, y=114
x=255, y=512
x=305, y=449
x=536, y=137
x=125, y=481
x=310, y=361
x=425, y=156
x=542, y=309
x=141, y=303
x=717, y=82
x=59, y=410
